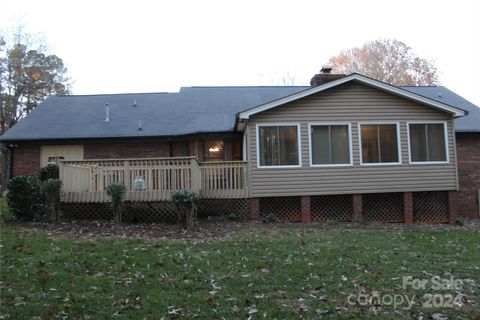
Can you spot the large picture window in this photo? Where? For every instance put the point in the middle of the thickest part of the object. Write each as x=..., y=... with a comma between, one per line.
x=379, y=143
x=427, y=142
x=278, y=145
x=330, y=144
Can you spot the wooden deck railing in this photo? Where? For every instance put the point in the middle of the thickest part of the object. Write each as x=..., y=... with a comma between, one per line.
x=223, y=179
x=152, y=179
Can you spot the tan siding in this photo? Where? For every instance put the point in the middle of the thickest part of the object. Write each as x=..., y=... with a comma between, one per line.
x=352, y=103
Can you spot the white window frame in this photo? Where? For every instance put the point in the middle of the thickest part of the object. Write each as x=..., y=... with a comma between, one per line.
x=279, y=124
x=399, y=145
x=310, y=149
x=445, y=132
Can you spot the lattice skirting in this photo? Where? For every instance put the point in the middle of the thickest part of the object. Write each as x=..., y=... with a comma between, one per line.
x=281, y=208
x=231, y=208
x=149, y=212
x=383, y=207
x=332, y=207
x=430, y=206
x=85, y=210
x=152, y=212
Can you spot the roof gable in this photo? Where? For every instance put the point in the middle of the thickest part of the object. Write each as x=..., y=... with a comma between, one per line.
x=456, y=112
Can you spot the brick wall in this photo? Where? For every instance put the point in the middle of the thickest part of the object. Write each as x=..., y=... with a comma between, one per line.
x=26, y=156
x=408, y=207
x=119, y=150
x=357, y=203
x=26, y=160
x=468, y=155
x=228, y=150
x=200, y=150
x=179, y=149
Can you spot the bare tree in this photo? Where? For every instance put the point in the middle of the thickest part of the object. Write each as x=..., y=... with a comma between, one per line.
x=27, y=76
x=286, y=78
x=387, y=60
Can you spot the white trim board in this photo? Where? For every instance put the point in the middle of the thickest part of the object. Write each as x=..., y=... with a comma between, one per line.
x=456, y=112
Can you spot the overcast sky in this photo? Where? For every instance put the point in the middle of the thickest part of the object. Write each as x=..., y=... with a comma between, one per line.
x=151, y=46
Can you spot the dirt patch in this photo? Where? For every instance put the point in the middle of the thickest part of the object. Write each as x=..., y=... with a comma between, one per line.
x=91, y=229
x=207, y=229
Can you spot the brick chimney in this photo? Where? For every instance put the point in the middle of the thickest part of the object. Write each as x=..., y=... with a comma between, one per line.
x=325, y=76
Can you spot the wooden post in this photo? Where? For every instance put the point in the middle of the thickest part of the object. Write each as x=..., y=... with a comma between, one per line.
x=126, y=174
x=196, y=175
x=61, y=171
x=245, y=181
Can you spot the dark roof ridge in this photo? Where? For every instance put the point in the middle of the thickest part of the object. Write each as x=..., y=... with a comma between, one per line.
x=252, y=86
x=433, y=86
x=109, y=94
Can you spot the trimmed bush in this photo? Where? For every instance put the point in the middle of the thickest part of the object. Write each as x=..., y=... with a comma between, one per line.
x=25, y=198
x=49, y=172
x=116, y=191
x=186, y=202
x=185, y=198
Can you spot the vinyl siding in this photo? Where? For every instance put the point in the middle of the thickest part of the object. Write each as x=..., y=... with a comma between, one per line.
x=351, y=102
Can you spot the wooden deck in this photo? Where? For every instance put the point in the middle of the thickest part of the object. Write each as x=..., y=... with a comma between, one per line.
x=152, y=179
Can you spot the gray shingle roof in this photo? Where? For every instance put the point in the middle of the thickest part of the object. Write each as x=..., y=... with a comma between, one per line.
x=192, y=110
x=468, y=123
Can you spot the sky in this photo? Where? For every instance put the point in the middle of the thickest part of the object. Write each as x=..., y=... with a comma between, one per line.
x=157, y=46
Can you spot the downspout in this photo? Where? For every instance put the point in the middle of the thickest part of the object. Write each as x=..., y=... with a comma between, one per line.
x=10, y=160
x=454, y=137
x=244, y=146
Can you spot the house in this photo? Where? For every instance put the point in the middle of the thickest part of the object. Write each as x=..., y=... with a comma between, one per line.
x=345, y=148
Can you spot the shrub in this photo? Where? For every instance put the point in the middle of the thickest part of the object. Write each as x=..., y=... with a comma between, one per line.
x=25, y=197
x=117, y=191
x=49, y=172
x=51, y=190
x=5, y=212
x=185, y=198
x=186, y=202
x=269, y=218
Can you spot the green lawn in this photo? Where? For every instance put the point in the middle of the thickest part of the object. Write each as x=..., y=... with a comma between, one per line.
x=265, y=272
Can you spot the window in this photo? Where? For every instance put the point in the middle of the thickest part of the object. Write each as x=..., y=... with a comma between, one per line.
x=427, y=142
x=330, y=144
x=278, y=145
x=379, y=143
x=214, y=150
x=55, y=159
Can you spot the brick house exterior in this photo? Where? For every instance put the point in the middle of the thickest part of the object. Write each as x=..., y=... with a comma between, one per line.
x=405, y=189
x=26, y=156
x=467, y=198
x=26, y=159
